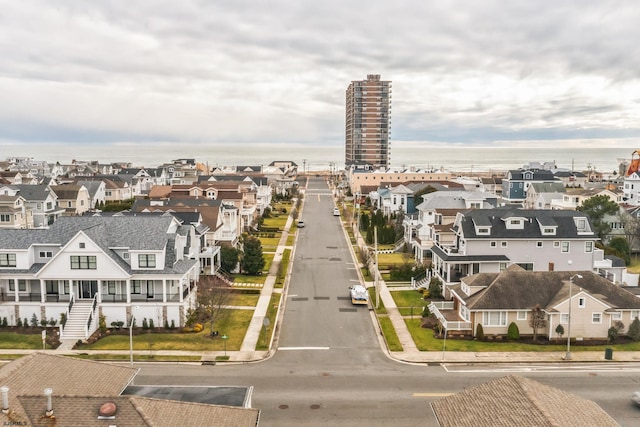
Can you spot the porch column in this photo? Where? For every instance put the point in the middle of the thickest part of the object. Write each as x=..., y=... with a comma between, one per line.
x=43, y=292
x=16, y=293
x=181, y=289
x=164, y=290
x=128, y=291
x=100, y=291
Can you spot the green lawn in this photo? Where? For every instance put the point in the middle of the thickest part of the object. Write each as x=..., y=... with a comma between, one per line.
x=282, y=270
x=243, y=299
x=267, y=332
x=234, y=326
x=269, y=244
x=291, y=238
x=15, y=341
x=393, y=343
x=634, y=267
x=408, y=298
x=275, y=221
x=396, y=258
x=372, y=297
x=245, y=278
x=425, y=341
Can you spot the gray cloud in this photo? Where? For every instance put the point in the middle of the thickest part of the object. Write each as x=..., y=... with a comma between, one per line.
x=276, y=71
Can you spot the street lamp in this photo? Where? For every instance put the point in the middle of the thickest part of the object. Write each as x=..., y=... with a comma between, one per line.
x=131, y=336
x=568, y=355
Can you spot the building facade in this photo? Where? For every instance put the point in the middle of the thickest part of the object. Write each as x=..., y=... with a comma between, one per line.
x=367, y=122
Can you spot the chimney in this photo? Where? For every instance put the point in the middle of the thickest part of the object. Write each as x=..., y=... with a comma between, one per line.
x=5, y=399
x=48, y=392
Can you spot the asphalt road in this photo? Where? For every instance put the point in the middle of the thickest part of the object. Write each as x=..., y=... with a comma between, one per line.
x=329, y=367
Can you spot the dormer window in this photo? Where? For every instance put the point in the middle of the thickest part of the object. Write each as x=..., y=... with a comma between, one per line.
x=483, y=230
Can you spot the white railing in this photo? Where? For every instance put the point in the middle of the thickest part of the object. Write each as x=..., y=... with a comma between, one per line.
x=91, y=318
x=449, y=325
x=66, y=314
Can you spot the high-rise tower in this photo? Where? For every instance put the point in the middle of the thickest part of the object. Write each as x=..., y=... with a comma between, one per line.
x=367, y=124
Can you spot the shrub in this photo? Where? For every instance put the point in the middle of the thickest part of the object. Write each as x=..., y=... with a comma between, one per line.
x=43, y=322
x=173, y=324
x=426, y=312
x=166, y=324
x=102, y=323
x=425, y=294
x=19, y=323
x=5, y=323
x=52, y=322
x=63, y=319
x=612, y=333
x=479, y=332
x=435, y=288
x=559, y=330
x=25, y=322
x=634, y=330
x=197, y=327
x=151, y=325
x=34, y=321
x=145, y=324
x=513, y=333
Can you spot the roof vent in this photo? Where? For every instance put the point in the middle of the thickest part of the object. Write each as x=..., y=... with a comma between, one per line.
x=5, y=399
x=48, y=392
x=107, y=411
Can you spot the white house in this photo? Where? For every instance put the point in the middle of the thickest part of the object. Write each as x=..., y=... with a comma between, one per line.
x=89, y=266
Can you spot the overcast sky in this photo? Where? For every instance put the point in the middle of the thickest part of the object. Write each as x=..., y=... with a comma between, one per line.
x=256, y=71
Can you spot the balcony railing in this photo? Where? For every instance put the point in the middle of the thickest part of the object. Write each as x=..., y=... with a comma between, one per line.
x=449, y=325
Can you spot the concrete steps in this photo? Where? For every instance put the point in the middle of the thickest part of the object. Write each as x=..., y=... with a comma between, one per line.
x=76, y=324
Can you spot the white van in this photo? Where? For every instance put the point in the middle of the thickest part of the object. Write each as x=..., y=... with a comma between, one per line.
x=336, y=212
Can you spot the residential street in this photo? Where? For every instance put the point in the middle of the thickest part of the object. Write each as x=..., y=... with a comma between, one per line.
x=329, y=367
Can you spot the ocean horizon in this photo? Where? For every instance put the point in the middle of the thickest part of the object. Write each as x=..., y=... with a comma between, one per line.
x=450, y=157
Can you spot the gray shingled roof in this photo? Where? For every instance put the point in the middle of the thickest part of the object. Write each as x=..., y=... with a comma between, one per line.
x=563, y=219
x=518, y=401
x=517, y=289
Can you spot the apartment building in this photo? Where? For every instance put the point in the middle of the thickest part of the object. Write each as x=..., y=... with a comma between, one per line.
x=368, y=122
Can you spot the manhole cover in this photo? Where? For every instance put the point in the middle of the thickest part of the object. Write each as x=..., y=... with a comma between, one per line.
x=315, y=406
x=283, y=406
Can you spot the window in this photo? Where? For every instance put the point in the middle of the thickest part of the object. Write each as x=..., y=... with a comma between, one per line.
x=493, y=244
x=503, y=244
x=107, y=193
x=464, y=312
x=83, y=262
x=503, y=266
x=596, y=317
x=22, y=285
x=135, y=287
x=46, y=254
x=616, y=315
x=528, y=266
x=538, y=244
x=564, y=318
x=634, y=314
x=588, y=246
x=582, y=302
x=81, y=245
x=7, y=260
x=494, y=318
x=69, y=204
x=556, y=244
x=5, y=217
x=522, y=315
x=146, y=261
x=565, y=247
x=111, y=287
x=52, y=287
x=125, y=255
x=49, y=206
x=66, y=287
x=150, y=289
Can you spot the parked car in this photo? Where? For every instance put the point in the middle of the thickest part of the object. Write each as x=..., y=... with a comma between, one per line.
x=336, y=212
x=359, y=295
x=300, y=223
x=635, y=397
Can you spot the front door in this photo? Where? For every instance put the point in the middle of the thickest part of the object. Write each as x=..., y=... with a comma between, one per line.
x=88, y=288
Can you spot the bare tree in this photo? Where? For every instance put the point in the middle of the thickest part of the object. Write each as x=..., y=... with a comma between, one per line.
x=631, y=227
x=213, y=298
x=537, y=320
